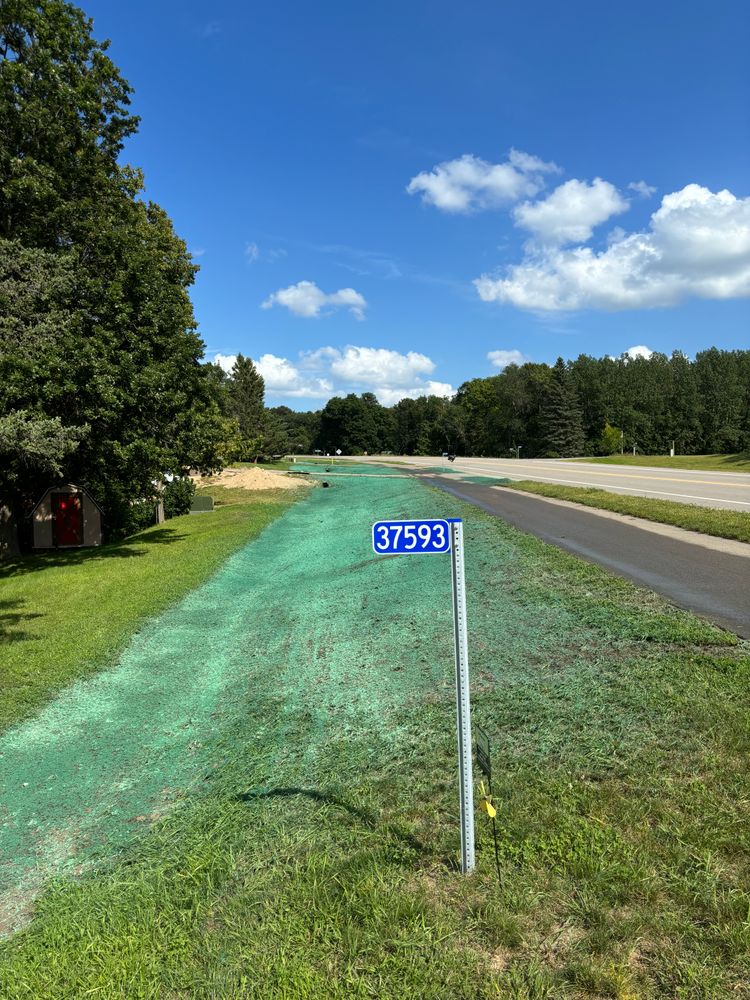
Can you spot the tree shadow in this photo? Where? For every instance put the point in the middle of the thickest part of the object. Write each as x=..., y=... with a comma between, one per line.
x=128, y=548
x=366, y=817
x=11, y=617
x=742, y=458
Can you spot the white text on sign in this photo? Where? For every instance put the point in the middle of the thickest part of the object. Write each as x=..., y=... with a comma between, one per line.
x=411, y=537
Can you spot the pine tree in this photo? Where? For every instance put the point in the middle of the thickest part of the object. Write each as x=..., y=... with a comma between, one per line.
x=562, y=420
x=246, y=395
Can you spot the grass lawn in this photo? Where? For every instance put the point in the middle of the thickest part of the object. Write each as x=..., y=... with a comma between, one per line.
x=723, y=523
x=739, y=462
x=224, y=496
x=63, y=615
x=316, y=858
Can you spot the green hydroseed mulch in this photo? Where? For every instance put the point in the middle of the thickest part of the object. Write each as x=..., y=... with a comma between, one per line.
x=65, y=614
x=260, y=799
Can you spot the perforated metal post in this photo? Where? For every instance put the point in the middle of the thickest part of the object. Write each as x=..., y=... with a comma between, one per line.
x=463, y=703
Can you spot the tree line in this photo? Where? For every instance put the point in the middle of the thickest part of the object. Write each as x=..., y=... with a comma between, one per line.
x=588, y=406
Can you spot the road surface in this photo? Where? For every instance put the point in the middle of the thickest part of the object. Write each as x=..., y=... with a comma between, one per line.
x=710, y=582
x=726, y=490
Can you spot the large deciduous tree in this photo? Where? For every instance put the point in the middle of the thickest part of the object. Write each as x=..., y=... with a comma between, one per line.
x=96, y=324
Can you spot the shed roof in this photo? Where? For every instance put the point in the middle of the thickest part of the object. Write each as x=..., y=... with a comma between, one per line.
x=70, y=486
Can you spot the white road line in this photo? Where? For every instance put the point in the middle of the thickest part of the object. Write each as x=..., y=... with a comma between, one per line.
x=615, y=489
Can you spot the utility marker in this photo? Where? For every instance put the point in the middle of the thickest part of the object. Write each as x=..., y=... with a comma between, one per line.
x=438, y=536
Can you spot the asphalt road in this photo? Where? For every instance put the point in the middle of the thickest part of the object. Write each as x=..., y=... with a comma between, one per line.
x=727, y=490
x=712, y=583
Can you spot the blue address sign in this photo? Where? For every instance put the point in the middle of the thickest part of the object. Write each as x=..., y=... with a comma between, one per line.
x=410, y=537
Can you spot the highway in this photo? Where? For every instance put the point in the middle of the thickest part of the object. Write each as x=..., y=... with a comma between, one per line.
x=726, y=490
x=710, y=577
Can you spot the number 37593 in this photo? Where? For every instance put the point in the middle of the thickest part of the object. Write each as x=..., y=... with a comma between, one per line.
x=411, y=537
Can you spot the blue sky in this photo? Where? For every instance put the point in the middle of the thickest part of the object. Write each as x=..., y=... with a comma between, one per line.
x=400, y=197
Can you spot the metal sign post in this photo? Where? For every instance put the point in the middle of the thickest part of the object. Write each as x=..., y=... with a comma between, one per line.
x=436, y=536
x=463, y=703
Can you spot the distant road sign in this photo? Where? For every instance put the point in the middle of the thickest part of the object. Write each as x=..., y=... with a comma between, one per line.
x=411, y=537
x=338, y=451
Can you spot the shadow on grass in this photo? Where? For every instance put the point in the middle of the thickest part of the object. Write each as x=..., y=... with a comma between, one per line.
x=136, y=545
x=365, y=817
x=11, y=616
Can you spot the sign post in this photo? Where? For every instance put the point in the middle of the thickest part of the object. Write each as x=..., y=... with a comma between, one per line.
x=437, y=536
x=463, y=702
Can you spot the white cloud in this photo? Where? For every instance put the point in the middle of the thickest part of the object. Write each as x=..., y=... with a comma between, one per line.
x=529, y=164
x=282, y=378
x=469, y=183
x=331, y=371
x=252, y=252
x=390, y=396
x=571, y=212
x=697, y=244
x=639, y=351
x=501, y=359
x=307, y=300
x=642, y=188
x=225, y=361
x=376, y=366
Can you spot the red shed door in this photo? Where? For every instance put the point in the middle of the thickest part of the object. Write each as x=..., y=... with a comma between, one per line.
x=67, y=514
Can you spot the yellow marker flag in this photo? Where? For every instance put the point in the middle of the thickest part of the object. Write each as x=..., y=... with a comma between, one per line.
x=489, y=808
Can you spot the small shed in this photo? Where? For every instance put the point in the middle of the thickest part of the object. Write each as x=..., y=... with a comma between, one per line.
x=66, y=517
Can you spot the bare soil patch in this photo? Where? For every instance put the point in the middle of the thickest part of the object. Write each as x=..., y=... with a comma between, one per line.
x=254, y=479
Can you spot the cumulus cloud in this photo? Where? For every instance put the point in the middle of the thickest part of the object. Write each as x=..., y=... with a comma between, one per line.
x=639, y=351
x=469, y=183
x=388, y=397
x=571, y=212
x=282, y=378
x=391, y=375
x=307, y=300
x=332, y=371
x=501, y=359
x=377, y=366
x=697, y=244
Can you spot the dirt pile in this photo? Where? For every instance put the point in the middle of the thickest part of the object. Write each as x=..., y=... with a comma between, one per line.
x=254, y=478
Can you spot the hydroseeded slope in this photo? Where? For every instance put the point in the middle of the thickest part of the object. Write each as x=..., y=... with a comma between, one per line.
x=308, y=665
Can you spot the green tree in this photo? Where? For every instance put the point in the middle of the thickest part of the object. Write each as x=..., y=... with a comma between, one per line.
x=610, y=440
x=246, y=404
x=34, y=446
x=275, y=436
x=64, y=117
x=561, y=416
x=724, y=391
x=97, y=326
x=302, y=428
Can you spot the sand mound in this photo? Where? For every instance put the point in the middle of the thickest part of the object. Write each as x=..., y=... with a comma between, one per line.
x=254, y=479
